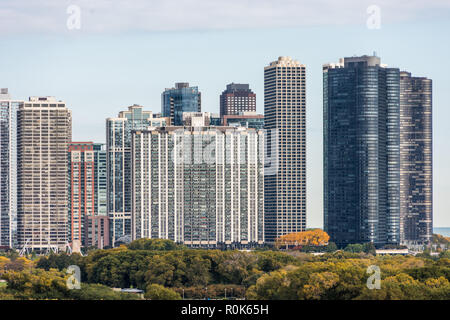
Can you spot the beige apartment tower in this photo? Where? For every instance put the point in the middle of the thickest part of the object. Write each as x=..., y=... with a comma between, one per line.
x=285, y=154
x=44, y=131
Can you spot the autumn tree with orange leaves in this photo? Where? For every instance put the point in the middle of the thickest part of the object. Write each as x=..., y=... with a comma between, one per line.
x=316, y=237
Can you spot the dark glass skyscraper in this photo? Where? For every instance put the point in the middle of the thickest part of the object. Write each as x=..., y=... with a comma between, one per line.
x=180, y=99
x=416, y=174
x=361, y=151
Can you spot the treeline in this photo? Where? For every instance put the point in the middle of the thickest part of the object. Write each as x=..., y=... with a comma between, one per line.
x=172, y=267
x=42, y=285
x=344, y=276
x=165, y=270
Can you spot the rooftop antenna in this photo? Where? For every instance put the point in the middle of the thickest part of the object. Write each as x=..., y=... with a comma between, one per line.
x=374, y=53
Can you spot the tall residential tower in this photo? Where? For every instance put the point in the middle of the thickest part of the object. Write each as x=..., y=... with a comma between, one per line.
x=416, y=160
x=81, y=190
x=44, y=131
x=118, y=151
x=199, y=185
x=361, y=151
x=285, y=165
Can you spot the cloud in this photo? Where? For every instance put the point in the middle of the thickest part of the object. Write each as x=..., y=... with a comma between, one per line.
x=100, y=16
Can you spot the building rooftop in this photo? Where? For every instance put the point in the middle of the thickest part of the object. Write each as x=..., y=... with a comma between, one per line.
x=285, y=62
x=44, y=99
x=349, y=62
x=4, y=95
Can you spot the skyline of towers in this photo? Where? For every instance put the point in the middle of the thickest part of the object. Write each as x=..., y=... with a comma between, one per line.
x=199, y=185
x=182, y=98
x=416, y=159
x=285, y=122
x=377, y=159
x=44, y=130
x=236, y=99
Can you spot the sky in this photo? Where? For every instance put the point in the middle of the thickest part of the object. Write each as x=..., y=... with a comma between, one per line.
x=101, y=56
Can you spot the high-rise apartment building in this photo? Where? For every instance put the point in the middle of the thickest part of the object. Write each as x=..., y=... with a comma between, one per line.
x=237, y=98
x=201, y=186
x=285, y=124
x=361, y=151
x=118, y=150
x=88, y=219
x=81, y=190
x=8, y=171
x=97, y=233
x=44, y=131
x=416, y=160
x=182, y=98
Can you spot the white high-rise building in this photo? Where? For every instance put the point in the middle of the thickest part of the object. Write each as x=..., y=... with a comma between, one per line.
x=285, y=124
x=118, y=153
x=199, y=185
x=44, y=131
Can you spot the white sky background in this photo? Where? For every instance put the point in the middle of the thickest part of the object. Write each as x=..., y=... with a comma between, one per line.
x=127, y=52
x=181, y=15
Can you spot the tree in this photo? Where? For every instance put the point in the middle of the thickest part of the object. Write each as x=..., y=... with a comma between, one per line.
x=36, y=284
x=398, y=287
x=237, y=267
x=19, y=264
x=158, y=292
x=318, y=285
x=440, y=239
x=354, y=247
x=445, y=254
x=154, y=244
x=368, y=247
x=331, y=247
x=3, y=263
x=315, y=237
x=161, y=272
x=273, y=286
x=99, y=292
